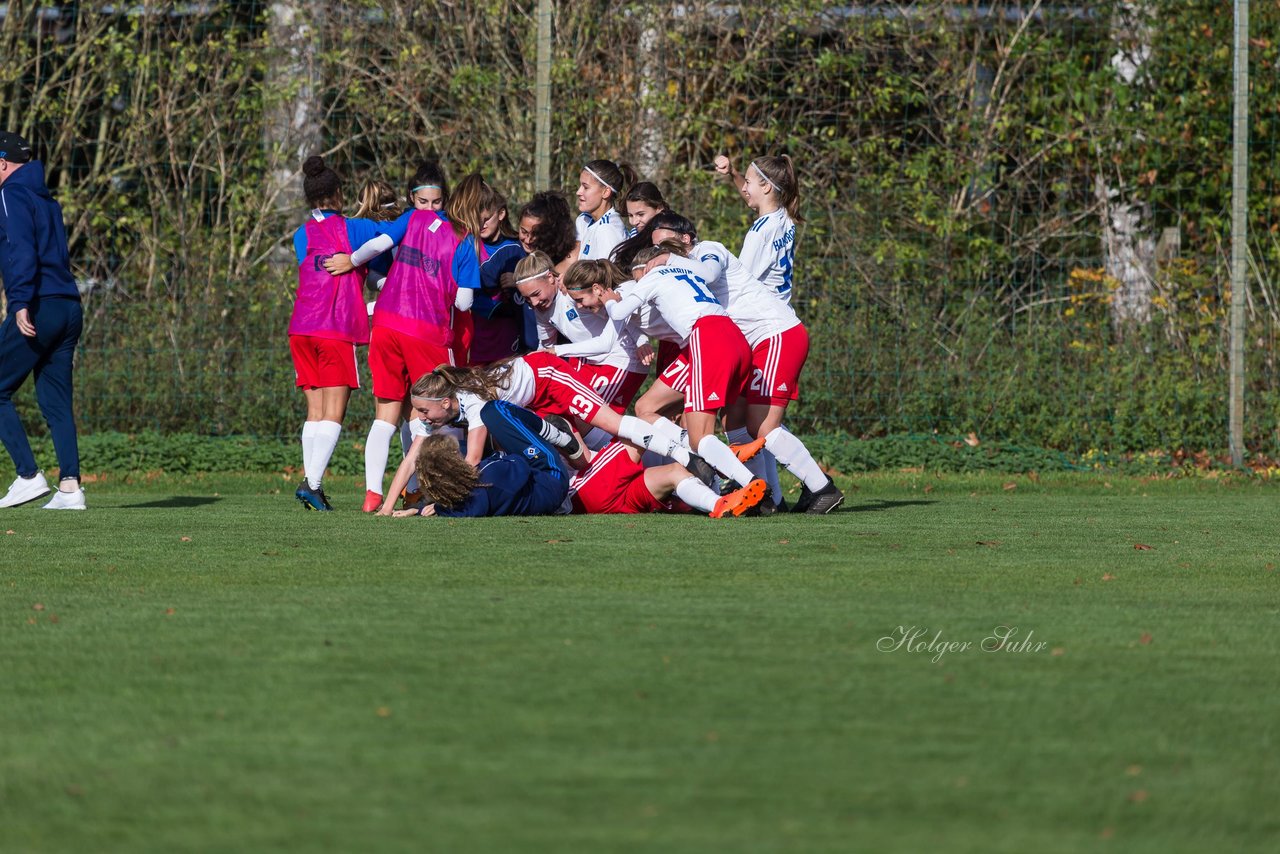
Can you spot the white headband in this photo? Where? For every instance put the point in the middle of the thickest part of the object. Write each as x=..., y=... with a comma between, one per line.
x=766, y=178
x=533, y=277
x=603, y=182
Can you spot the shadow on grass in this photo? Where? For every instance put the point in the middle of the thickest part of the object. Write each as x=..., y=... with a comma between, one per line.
x=177, y=502
x=881, y=504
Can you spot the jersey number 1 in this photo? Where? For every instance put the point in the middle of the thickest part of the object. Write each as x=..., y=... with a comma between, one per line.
x=699, y=295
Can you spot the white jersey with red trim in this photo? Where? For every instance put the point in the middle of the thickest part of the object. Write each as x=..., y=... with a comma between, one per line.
x=520, y=387
x=598, y=237
x=679, y=295
x=768, y=252
x=751, y=305
x=577, y=326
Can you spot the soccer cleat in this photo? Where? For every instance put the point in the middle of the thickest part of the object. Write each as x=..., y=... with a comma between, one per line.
x=767, y=507
x=409, y=499
x=25, y=489
x=324, y=498
x=702, y=470
x=372, y=501
x=312, y=499
x=747, y=450
x=66, y=500
x=825, y=500
x=573, y=450
x=739, y=502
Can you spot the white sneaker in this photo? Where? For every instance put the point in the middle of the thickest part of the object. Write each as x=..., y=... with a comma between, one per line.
x=66, y=501
x=25, y=489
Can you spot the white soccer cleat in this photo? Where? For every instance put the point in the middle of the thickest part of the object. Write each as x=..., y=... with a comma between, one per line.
x=66, y=500
x=25, y=489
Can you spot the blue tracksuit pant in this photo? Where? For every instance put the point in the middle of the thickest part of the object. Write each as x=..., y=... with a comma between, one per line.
x=58, y=324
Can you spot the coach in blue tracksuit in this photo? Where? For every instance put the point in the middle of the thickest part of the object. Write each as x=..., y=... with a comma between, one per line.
x=43, y=325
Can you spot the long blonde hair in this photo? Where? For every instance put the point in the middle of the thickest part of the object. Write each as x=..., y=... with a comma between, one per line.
x=378, y=202
x=445, y=381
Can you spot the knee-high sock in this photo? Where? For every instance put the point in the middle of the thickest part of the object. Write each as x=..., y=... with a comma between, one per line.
x=376, y=450
x=642, y=433
x=308, y=444
x=792, y=453
x=326, y=439
x=770, y=464
x=718, y=455
x=696, y=494
x=668, y=429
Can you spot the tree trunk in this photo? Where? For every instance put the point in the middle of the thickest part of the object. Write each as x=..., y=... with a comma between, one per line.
x=292, y=128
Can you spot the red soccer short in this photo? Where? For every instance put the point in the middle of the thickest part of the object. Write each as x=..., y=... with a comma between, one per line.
x=397, y=361
x=323, y=362
x=617, y=386
x=676, y=373
x=667, y=353
x=719, y=364
x=464, y=331
x=560, y=390
x=613, y=483
x=775, y=367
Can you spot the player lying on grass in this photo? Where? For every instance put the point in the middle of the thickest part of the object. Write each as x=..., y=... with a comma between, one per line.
x=527, y=477
x=617, y=481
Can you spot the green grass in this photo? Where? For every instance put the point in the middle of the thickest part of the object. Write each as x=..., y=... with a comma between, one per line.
x=301, y=682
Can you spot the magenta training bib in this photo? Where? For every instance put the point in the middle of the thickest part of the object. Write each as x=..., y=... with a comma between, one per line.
x=329, y=306
x=417, y=298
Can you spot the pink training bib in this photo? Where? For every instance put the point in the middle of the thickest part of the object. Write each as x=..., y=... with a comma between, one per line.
x=329, y=306
x=417, y=298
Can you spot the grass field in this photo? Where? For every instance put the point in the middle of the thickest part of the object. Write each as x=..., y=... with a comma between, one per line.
x=196, y=664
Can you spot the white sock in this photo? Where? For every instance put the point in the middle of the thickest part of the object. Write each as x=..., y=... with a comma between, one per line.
x=596, y=438
x=326, y=439
x=792, y=453
x=641, y=433
x=696, y=494
x=668, y=429
x=718, y=455
x=308, y=443
x=376, y=450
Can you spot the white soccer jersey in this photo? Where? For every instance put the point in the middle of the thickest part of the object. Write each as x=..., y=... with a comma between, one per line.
x=519, y=389
x=577, y=326
x=679, y=295
x=751, y=305
x=597, y=238
x=768, y=252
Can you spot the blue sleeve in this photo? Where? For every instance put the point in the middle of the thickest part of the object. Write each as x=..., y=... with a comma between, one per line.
x=476, y=506
x=466, y=266
x=395, y=229
x=18, y=255
x=300, y=243
x=361, y=231
x=502, y=259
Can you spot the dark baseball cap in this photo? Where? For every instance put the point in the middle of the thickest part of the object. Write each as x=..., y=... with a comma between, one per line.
x=14, y=148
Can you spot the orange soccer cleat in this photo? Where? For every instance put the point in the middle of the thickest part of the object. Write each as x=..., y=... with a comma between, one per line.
x=740, y=501
x=372, y=501
x=748, y=450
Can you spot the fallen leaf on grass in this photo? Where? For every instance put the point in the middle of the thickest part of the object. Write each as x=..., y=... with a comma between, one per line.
x=10, y=532
x=383, y=712
x=169, y=612
x=186, y=539
x=1106, y=576
x=1145, y=640
x=1138, y=797
x=1133, y=770
x=1057, y=651
x=37, y=607
x=972, y=440
x=53, y=618
x=1033, y=476
x=1009, y=486
x=1078, y=581
x=557, y=542
x=1142, y=547
x=783, y=542
x=989, y=543
x=928, y=489
x=75, y=791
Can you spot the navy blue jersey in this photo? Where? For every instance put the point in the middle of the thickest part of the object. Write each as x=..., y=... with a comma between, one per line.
x=510, y=486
